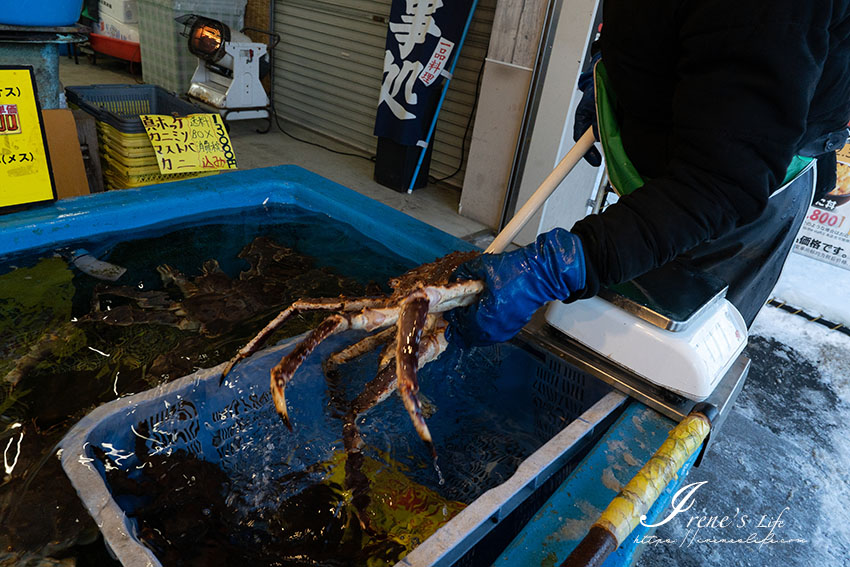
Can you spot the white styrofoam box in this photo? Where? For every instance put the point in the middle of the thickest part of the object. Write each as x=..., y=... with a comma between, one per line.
x=125, y=11
x=110, y=27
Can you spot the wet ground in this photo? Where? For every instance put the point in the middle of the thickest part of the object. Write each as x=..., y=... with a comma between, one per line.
x=782, y=459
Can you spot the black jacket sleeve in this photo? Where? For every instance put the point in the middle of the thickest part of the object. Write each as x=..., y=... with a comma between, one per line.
x=714, y=100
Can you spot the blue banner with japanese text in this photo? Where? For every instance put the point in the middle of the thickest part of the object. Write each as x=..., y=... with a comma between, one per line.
x=422, y=41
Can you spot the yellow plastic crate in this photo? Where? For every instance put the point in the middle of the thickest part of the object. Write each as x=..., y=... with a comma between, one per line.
x=119, y=176
x=125, y=141
x=132, y=160
x=115, y=180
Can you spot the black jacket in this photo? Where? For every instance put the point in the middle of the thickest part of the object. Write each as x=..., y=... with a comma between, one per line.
x=715, y=97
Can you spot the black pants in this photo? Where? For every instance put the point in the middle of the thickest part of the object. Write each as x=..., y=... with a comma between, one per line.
x=751, y=257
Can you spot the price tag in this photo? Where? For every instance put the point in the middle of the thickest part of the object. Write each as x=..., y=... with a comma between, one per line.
x=188, y=144
x=25, y=174
x=825, y=233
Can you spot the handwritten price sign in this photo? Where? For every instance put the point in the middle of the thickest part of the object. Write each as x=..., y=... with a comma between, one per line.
x=186, y=144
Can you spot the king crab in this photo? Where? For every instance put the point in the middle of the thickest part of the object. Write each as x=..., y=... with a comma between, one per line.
x=410, y=325
x=212, y=303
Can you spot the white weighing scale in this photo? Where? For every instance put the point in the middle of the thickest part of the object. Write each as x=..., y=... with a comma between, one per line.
x=672, y=329
x=668, y=338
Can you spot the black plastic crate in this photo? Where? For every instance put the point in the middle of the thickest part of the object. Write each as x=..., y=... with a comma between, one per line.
x=121, y=105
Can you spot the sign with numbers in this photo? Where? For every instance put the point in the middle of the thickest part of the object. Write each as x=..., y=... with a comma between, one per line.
x=25, y=174
x=825, y=233
x=187, y=144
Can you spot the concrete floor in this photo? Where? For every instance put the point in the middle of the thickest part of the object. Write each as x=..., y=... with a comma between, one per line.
x=435, y=205
x=783, y=450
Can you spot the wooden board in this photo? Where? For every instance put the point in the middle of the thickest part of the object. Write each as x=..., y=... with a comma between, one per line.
x=66, y=158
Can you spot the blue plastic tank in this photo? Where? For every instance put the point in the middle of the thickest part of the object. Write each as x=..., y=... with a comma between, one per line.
x=41, y=13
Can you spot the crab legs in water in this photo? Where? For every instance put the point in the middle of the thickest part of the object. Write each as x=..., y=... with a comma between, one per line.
x=410, y=325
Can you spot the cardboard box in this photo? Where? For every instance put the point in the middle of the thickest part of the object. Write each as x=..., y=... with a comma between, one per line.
x=123, y=11
x=66, y=159
x=110, y=27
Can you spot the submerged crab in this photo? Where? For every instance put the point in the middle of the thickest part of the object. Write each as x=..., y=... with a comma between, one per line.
x=412, y=330
x=212, y=303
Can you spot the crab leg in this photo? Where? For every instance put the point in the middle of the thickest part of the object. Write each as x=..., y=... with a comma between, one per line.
x=283, y=371
x=356, y=481
x=320, y=304
x=374, y=392
x=358, y=349
x=411, y=322
x=281, y=374
x=456, y=294
x=387, y=354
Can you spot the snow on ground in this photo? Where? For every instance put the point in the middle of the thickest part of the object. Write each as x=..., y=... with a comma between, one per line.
x=786, y=443
x=785, y=446
x=819, y=288
x=826, y=349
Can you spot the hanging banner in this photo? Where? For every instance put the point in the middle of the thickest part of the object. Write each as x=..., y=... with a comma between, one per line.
x=188, y=144
x=825, y=233
x=25, y=174
x=421, y=40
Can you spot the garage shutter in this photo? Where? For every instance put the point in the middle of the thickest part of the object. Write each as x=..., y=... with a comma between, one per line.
x=329, y=64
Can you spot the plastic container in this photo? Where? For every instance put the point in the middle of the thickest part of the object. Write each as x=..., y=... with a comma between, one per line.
x=55, y=13
x=131, y=157
x=134, y=145
x=128, y=157
x=121, y=176
x=118, y=48
x=110, y=27
x=124, y=11
x=215, y=423
x=117, y=181
x=120, y=105
x=129, y=166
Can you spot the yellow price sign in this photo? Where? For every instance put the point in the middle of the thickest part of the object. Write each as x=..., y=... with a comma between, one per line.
x=25, y=174
x=187, y=144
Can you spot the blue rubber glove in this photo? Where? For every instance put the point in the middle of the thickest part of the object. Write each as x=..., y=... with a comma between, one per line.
x=586, y=112
x=516, y=284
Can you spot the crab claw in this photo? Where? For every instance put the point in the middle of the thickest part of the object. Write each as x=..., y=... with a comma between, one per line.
x=279, y=398
x=283, y=371
x=410, y=324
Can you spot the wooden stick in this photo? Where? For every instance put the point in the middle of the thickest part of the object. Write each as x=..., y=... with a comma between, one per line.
x=566, y=165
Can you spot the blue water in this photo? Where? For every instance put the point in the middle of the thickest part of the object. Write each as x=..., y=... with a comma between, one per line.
x=485, y=408
x=187, y=246
x=483, y=419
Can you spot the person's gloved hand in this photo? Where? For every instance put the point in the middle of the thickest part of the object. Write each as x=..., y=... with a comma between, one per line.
x=516, y=284
x=586, y=112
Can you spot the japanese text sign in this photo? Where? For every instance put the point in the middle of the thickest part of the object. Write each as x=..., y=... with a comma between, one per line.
x=825, y=233
x=187, y=144
x=25, y=174
x=422, y=39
